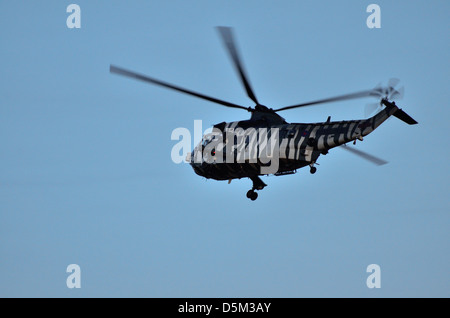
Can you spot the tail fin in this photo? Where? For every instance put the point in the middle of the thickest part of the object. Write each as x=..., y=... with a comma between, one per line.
x=400, y=114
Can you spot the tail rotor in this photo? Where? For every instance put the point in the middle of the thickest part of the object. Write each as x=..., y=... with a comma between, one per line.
x=390, y=92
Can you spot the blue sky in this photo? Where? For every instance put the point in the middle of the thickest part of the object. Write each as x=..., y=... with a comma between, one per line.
x=87, y=178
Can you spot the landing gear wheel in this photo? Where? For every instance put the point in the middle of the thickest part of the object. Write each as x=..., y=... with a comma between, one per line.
x=258, y=184
x=313, y=170
x=252, y=195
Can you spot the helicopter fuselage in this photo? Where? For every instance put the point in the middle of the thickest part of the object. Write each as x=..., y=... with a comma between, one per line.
x=297, y=145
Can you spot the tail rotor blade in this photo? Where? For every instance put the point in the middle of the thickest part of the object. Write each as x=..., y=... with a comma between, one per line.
x=371, y=108
x=397, y=94
x=390, y=89
x=393, y=82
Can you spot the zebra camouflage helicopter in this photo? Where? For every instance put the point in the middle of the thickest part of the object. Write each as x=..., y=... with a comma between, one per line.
x=226, y=154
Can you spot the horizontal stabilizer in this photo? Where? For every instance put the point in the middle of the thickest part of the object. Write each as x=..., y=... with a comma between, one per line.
x=400, y=114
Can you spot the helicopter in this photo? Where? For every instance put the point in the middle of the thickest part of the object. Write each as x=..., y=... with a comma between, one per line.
x=234, y=150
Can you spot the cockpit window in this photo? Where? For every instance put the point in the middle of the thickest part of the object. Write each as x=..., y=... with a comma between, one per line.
x=207, y=139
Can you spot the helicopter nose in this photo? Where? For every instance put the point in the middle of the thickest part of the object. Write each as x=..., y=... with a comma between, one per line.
x=196, y=166
x=189, y=157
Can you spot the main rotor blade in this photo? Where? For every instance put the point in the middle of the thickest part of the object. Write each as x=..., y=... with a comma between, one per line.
x=227, y=37
x=124, y=72
x=362, y=154
x=334, y=99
